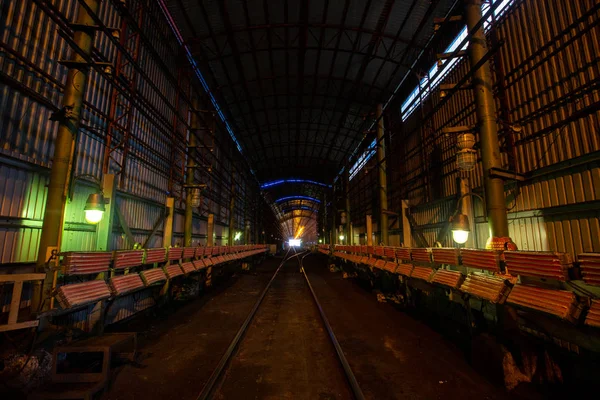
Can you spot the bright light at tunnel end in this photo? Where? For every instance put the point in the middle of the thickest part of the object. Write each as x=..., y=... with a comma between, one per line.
x=295, y=242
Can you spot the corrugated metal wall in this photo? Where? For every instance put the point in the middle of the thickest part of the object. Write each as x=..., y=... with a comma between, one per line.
x=550, y=59
x=31, y=86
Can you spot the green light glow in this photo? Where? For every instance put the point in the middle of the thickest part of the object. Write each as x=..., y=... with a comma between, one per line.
x=93, y=216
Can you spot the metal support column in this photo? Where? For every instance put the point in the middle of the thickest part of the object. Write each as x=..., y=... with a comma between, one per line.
x=383, y=202
x=210, y=232
x=190, y=174
x=406, y=228
x=369, y=233
x=247, y=233
x=466, y=208
x=347, y=198
x=168, y=224
x=232, y=212
x=488, y=129
x=64, y=146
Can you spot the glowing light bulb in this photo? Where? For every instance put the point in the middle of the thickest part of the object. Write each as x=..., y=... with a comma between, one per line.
x=460, y=236
x=93, y=216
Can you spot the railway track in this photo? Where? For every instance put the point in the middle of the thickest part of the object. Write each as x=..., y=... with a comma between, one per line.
x=216, y=378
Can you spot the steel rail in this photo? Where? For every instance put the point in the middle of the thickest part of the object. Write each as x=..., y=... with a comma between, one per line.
x=358, y=394
x=210, y=386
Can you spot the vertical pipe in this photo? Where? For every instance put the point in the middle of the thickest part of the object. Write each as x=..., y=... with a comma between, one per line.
x=62, y=159
x=191, y=171
x=247, y=233
x=488, y=129
x=383, y=202
x=168, y=224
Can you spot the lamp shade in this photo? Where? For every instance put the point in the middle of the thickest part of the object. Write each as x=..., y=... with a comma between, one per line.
x=459, y=225
x=94, y=208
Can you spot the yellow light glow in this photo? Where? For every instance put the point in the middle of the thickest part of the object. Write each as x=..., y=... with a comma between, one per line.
x=299, y=232
x=93, y=216
x=460, y=236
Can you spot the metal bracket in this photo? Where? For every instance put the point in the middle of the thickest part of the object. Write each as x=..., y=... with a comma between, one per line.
x=505, y=174
x=459, y=129
x=73, y=64
x=445, y=56
x=65, y=113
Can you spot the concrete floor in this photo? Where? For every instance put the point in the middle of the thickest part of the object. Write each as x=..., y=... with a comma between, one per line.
x=286, y=353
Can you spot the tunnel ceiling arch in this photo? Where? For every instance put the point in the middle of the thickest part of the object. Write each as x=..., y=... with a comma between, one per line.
x=299, y=81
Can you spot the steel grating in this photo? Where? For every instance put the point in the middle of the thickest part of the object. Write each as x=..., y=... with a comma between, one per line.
x=552, y=265
x=482, y=259
x=589, y=263
x=448, y=278
x=79, y=294
x=423, y=273
x=89, y=262
x=152, y=276
x=128, y=258
x=560, y=303
x=486, y=287
x=157, y=255
x=593, y=314
x=445, y=255
x=404, y=269
x=421, y=254
x=122, y=284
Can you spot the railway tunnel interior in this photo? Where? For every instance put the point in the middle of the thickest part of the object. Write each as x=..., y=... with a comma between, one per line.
x=299, y=199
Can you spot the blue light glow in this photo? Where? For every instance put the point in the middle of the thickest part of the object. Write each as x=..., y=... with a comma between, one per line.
x=282, y=181
x=199, y=74
x=297, y=198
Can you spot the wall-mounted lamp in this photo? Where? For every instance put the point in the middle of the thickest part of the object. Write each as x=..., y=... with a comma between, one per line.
x=459, y=225
x=341, y=237
x=94, y=208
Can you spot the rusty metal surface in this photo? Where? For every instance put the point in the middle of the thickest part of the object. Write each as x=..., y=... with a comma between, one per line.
x=404, y=269
x=403, y=253
x=90, y=262
x=78, y=294
x=128, y=258
x=589, y=263
x=155, y=255
x=487, y=287
x=380, y=264
x=552, y=265
x=593, y=314
x=188, y=267
x=172, y=271
x=152, y=276
x=423, y=273
x=448, y=278
x=175, y=253
x=189, y=252
x=421, y=254
x=481, y=259
x=119, y=285
x=445, y=255
x=560, y=303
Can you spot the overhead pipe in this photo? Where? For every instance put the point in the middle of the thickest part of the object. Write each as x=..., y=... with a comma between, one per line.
x=190, y=174
x=69, y=118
